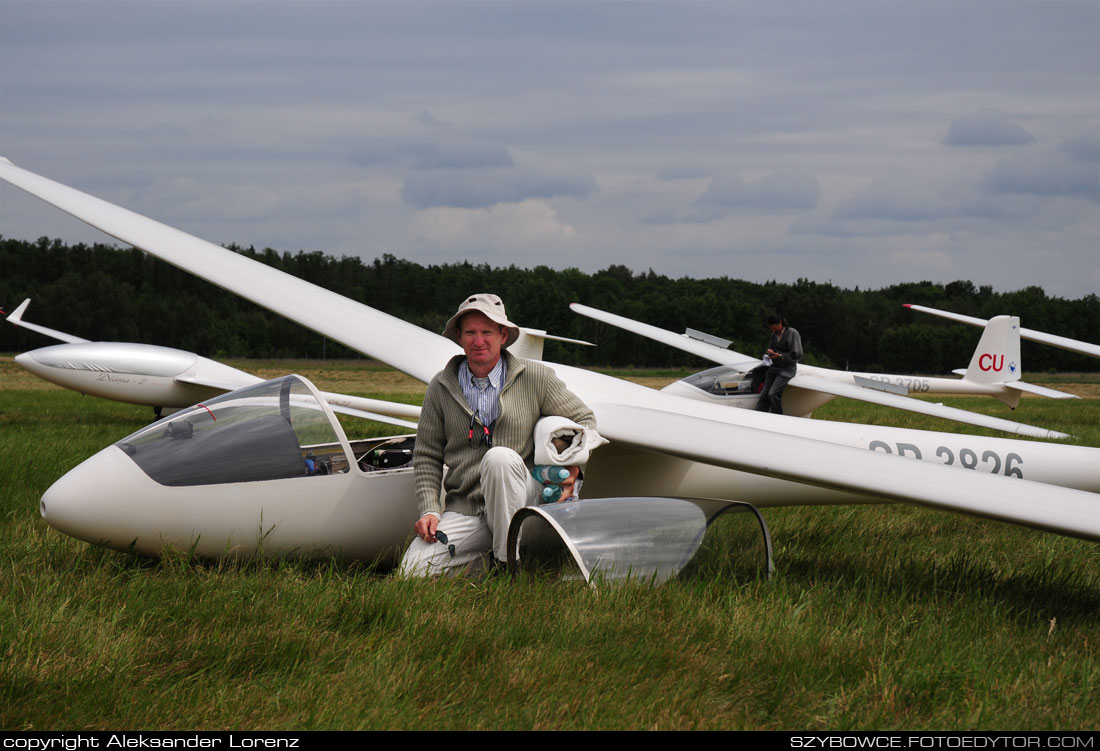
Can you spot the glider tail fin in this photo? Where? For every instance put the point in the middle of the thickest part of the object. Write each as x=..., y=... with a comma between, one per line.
x=16, y=319
x=529, y=344
x=997, y=358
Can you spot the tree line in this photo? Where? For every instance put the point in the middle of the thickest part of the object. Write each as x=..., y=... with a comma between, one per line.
x=105, y=293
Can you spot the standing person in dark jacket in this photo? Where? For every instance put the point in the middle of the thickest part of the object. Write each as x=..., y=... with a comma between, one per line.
x=784, y=352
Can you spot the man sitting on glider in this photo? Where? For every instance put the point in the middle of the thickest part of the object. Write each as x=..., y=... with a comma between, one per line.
x=784, y=352
x=479, y=419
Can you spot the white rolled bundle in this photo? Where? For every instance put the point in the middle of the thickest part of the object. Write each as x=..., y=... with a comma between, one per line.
x=581, y=442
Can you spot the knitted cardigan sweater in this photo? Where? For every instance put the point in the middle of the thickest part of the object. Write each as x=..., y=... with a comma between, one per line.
x=531, y=390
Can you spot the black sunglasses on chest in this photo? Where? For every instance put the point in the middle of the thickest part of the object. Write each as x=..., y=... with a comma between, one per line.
x=480, y=434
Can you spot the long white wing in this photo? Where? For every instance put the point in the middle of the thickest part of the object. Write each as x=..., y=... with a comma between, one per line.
x=408, y=348
x=679, y=341
x=816, y=383
x=1031, y=388
x=1063, y=342
x=837, y=388
x=376, y=416
x=1063, y=510
x=355, y=406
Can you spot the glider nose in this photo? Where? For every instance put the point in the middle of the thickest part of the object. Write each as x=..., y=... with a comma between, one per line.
x=51, y=364
x=28, y=361
x=66, y=505
x=89, y=502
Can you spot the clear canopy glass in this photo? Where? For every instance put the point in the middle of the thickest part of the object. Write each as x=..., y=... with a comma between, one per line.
x=648, y=539
x=270, y=431
x=726, y=380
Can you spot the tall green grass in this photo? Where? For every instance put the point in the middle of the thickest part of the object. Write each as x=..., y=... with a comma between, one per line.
x=878, y=617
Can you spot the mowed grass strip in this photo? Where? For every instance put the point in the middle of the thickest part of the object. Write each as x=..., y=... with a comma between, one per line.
x=878, y=617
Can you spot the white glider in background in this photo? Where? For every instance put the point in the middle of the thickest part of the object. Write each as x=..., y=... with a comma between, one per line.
x=196, y=481
x=1063, y=342
x=163, y=378
x=994, y=370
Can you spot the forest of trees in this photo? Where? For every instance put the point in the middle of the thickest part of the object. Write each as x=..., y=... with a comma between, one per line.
x=106, y=293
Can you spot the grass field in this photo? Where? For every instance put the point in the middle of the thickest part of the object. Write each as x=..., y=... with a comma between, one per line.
x=879, y=617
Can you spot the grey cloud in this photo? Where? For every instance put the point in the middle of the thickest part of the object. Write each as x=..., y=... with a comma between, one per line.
x=482, y=102
x=821, y=227
x=899, y=201
x=1085, y=148
x=1045, y=172
x=668, y=216
x=779, y=191
x=660, y=216
x=427, y=118
x=431, y=153
x=683, y=173
x=989, y=127
x=463, y=155
x=468, y=189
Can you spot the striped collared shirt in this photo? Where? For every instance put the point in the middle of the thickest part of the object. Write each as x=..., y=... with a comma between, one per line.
x=483, y=394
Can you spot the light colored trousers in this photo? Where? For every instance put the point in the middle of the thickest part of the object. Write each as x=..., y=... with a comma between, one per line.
x=507, y=486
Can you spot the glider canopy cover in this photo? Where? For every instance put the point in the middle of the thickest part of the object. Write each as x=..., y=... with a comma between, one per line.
x=642, y=538
x=271, y=431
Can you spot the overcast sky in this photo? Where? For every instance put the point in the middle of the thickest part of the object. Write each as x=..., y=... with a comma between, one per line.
x=863, y=143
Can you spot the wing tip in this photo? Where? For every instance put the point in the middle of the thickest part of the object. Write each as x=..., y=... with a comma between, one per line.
x=16, y=315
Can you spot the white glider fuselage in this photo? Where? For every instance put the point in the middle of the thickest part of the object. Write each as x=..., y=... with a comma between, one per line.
x=802, y=402
x=133, y=373
x=168, y=379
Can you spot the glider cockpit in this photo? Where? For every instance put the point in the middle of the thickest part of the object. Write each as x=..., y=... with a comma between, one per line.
x=727, y=380
x=272, y=431
x=739, y=385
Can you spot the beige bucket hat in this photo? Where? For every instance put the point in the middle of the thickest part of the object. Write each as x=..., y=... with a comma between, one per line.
x=493, y=309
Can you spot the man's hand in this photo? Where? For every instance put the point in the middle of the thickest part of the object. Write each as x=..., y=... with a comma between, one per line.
x=568, y=484
x=425, y=527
